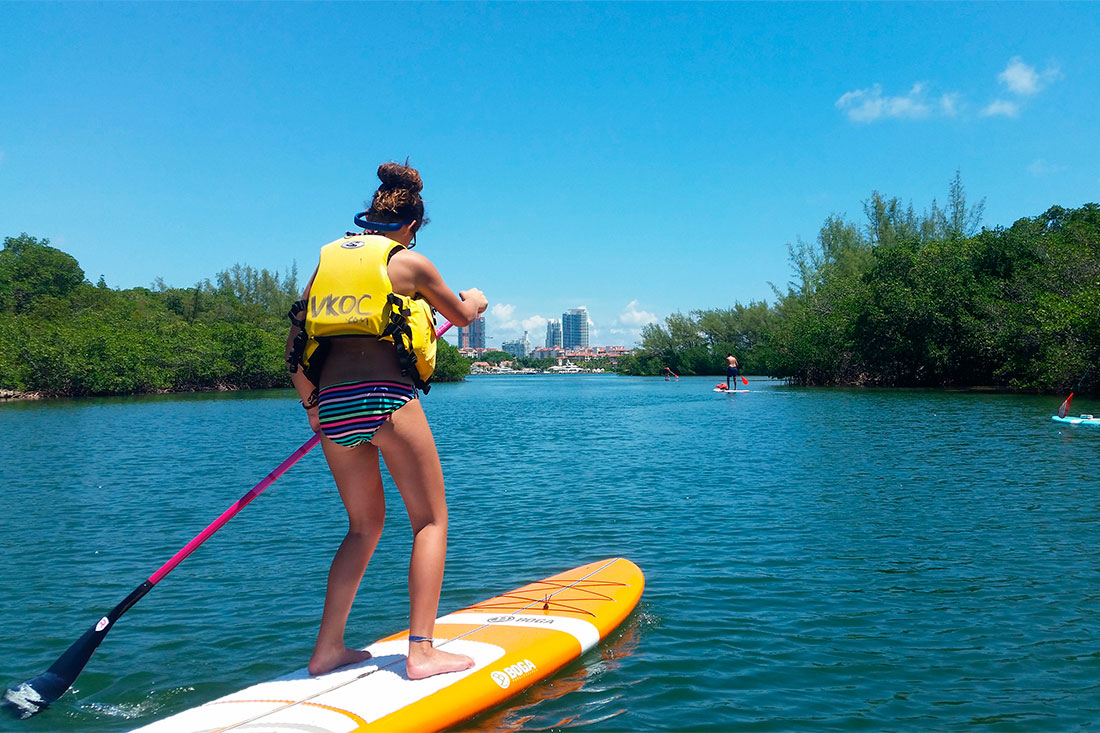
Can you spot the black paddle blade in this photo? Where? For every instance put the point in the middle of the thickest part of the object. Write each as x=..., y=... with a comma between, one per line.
x=33, y=696
x=38, y=693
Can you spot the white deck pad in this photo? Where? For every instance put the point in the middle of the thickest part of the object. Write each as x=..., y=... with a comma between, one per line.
x=299, y=703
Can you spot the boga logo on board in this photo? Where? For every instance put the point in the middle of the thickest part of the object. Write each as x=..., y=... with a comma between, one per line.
x=504, y=677
x=520, y=620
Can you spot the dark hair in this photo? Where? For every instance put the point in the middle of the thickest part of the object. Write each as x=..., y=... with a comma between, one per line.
x=397, y=199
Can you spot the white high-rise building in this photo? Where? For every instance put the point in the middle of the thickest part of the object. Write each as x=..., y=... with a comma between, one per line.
x=574, y=328
x=553, y=334
x=518, y=348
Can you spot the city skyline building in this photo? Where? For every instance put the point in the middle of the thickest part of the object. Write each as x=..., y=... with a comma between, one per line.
x=574, y=328
x=519, y=348
x=553, y=334
x=472, y=336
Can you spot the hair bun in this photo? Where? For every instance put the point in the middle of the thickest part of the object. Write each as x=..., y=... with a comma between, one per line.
x=398, y=198
x=397, y=176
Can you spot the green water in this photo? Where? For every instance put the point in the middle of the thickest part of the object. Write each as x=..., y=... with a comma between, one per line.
x=819, y=559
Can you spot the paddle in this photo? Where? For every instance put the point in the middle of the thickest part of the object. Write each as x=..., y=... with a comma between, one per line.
x=36, y=694
x=1064, y=409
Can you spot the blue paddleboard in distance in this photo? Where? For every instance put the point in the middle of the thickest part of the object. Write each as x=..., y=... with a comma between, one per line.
x=1081, y=420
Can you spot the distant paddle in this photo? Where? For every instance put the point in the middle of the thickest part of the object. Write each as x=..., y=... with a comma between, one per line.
x=1064, y=409
x=36, y=694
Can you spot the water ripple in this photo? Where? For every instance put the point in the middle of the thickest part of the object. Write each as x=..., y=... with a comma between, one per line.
x=815, y=559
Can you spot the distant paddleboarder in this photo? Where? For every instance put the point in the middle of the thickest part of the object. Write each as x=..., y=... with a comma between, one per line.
x=731, y=371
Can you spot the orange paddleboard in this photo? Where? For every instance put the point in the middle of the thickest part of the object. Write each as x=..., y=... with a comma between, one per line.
x=516, y=639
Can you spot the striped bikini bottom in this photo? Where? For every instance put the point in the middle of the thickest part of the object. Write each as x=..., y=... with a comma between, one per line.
x=351, y=412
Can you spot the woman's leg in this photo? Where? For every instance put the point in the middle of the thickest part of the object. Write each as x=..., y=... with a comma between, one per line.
x=409, y=451
x=358, y=478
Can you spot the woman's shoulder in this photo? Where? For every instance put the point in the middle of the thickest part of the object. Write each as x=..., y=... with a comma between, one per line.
x=406, y=255
x=408, y=271
x=412, y=262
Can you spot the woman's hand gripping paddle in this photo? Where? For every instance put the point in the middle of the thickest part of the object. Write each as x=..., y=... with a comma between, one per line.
x=36, y=694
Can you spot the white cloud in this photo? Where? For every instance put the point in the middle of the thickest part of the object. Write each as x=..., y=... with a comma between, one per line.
x=632, y=316
x=1001, y=108
x=502, y=311
x=506, y=325
x=629, y=322
x=533, y=323
x=1022, y=79
x=1018, y=78
x=869, y=105
x=503, y=314
x=1040, y=167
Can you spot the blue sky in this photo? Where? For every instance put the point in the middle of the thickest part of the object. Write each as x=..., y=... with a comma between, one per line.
x=637, y=159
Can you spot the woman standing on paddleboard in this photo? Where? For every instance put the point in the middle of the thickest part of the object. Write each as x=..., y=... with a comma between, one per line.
x=363, y=336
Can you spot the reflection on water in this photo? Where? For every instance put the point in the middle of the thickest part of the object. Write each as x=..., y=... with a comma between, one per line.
x=597, y=707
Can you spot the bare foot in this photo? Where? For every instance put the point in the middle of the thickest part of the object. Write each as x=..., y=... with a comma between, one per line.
x=425, y=661
x=322, y=662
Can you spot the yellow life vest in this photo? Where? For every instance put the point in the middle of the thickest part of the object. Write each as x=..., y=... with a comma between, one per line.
x=351, y=295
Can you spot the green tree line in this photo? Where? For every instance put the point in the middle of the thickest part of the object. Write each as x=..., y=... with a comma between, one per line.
x=907, y=299
x=62, y=336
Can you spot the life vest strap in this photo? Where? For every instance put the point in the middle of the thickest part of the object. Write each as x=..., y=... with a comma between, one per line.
x=297, y=316
x=398, y=329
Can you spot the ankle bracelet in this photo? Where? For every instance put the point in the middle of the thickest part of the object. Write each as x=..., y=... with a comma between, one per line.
x=414, y=639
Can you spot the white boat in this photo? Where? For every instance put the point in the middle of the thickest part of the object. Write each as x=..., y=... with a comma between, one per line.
x=566, y=368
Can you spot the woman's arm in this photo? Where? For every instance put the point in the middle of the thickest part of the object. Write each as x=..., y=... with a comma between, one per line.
x=412, y=273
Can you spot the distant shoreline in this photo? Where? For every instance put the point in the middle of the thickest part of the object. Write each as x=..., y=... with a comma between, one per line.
x=15, y=395
x=534, y=373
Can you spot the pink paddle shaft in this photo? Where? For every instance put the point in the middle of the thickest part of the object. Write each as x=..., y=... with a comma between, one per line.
x=247, y=498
